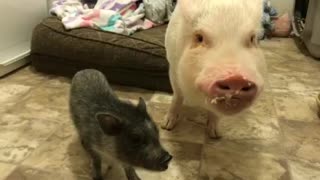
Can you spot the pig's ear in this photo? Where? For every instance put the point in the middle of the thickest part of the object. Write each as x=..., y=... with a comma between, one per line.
x=109, y=123
x=142, y=105
x=188, y=8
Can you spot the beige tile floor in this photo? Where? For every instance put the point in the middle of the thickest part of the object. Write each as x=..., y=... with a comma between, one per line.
x=278, y=139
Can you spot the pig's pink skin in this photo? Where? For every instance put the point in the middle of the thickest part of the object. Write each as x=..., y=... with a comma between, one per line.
x=211, y=75
x=228, y=47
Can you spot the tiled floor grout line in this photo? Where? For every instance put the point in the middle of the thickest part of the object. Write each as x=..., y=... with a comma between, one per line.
x=282, y=148
x=9, y=163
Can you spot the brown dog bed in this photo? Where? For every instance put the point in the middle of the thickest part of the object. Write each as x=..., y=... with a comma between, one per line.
x=137, y=60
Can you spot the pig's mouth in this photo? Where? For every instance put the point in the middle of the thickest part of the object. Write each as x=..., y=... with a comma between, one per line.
x=230, y=104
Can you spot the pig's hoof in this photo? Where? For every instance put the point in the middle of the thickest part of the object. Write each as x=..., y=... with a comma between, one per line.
x=171, y=121
x=213, y=134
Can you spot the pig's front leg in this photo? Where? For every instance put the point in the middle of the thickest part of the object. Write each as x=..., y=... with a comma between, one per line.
x=174, y=114
x=131, y=173
x=212, y=126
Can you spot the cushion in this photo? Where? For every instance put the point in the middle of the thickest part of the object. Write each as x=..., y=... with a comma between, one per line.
x=138, y=60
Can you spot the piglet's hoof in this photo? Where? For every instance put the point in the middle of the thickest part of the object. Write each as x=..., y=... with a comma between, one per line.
x=134, y=178
x=97, y=178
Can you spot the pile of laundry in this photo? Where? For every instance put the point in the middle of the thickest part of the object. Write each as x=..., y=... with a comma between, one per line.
x=267, y=23
x=128, y=16
x=273, y=24
x=118, y=16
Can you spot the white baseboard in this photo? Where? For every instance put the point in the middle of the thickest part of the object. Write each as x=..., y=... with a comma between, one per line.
x=14, y=57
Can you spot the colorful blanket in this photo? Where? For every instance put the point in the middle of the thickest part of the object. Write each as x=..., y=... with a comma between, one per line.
x=119, y=16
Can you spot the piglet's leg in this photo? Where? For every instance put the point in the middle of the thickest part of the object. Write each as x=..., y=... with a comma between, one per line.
x=131, y=173
x=96, y=161
x=212, y=126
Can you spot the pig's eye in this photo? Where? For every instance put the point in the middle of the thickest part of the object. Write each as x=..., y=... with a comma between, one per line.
x=252, y=41
x=199, y=38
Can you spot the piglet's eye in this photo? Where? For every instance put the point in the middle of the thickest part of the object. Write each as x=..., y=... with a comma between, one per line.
x=135, y=139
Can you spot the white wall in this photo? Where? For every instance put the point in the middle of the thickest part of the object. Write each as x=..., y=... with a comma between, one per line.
x=17, y=19
x=283, y=6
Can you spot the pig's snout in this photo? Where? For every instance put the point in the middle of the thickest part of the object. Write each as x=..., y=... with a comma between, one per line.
x=230, y=94
x=165, y=160
x=234, y=85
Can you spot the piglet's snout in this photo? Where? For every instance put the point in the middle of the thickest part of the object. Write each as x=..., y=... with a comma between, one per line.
x=236, y=85
x=165, y=160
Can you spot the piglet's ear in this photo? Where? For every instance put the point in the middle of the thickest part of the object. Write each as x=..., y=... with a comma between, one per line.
x=142, y=105
x=109, y=123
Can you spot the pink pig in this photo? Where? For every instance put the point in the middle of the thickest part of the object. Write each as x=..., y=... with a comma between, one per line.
x=215, y=61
